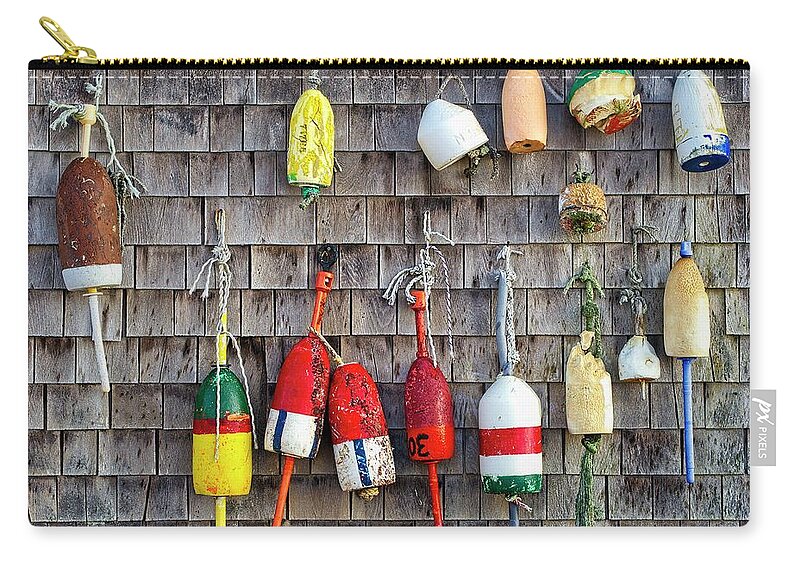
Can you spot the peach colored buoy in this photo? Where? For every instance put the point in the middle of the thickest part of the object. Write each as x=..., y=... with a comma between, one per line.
x=524, y=111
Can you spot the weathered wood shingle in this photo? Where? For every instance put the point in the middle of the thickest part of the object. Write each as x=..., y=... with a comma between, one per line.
x=205, y=139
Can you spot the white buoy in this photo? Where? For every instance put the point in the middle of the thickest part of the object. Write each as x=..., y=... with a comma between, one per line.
x=701, y=137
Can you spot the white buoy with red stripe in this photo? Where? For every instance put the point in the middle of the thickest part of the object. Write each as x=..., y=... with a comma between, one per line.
x=509, y=413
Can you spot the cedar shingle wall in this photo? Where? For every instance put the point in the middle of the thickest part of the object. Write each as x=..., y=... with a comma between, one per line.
x=206, y=139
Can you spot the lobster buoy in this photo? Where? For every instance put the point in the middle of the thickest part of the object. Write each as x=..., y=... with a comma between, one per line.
x=604, y=99
x=701, y=137
x=590, y=408
x=638, y=360
x=309, y=160
x=297, y=412
x=687, y=317
x=524, y=111
x=582, y=205
x=428, y=405
x=223, y=426
x=509, y=412
x=89, y=246
x=687, y=333
x=448, y=132
x=225, y=468
x=430, y=431
x=361, y=447
x=510, y=438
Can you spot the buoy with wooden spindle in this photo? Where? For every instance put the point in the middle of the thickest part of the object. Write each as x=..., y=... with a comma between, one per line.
x=524, y=111
x=297, y=411
x=509, y=413
x=637, y=361
x=701, y=137
x=687, y=333
x=447, y=133
x=222, y=429
x=430, y=430
x=590, y=409
x=310, y=163
x=361, y=447
x=89, y=244
x=604, y=99
x=90, y=215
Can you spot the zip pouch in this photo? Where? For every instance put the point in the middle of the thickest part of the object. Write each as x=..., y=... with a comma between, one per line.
x=385, y=292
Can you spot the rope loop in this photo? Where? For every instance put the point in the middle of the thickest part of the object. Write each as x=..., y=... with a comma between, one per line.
x=633, y=294
x=220, y=256
x=590, y=310
x=126, y=186
x=507, y=274
x=421, y=276
x=461, y=86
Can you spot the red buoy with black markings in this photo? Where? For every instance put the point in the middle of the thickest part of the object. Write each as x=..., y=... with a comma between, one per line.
x=430, y=431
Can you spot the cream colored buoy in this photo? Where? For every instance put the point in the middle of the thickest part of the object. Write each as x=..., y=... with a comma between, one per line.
x=524, y=111
x=589, y=405
x=687, y=317
x=687, y=333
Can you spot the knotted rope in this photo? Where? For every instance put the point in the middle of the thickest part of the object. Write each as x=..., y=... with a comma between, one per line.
x=126, y=186
x=589, y=309
x=585, y=510
x=508, y=275
x=221, y=255
x=633, y=294
x=584, y=501
x=421, y=275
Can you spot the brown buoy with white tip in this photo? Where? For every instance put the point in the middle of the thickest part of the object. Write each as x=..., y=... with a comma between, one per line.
x=89, y=244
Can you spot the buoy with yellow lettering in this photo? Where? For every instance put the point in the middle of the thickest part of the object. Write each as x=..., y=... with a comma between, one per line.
x=524, y=111
x=297, y=412
x=430, y=430
x=604, y=99
x=687, y=333
x=590, y=410
x=509, y=413
x=90, y=217
x=222, y=429
x=701, y=137
x=310, y=162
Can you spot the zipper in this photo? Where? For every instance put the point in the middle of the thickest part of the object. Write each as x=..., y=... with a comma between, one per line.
x=79, y=56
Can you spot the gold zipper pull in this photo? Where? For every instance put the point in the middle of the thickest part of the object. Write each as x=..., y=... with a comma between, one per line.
x=72, y=53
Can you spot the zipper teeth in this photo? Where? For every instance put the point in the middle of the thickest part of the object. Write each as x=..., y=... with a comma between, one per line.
x=703, y=62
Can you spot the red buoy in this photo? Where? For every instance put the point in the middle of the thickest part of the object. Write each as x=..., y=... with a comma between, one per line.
x=361, y=446
x=430, y=431
x=297, y=411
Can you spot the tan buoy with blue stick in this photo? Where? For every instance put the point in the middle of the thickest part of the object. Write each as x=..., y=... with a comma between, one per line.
x=687, y=333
